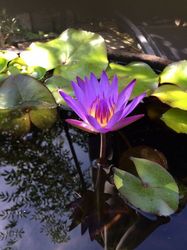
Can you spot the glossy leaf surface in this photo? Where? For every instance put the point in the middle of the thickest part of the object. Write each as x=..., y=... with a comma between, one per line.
x=155, y=191
x=147, y=79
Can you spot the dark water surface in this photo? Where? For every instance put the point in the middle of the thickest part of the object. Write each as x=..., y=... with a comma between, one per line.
x=48, y=203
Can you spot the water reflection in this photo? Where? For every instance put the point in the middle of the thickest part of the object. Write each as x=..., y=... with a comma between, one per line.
x=38, y=181
x=48, y=200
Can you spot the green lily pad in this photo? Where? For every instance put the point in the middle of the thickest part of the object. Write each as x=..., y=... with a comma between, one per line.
x=146, y=79
x=24, y=100
x=55, y=83
x=8, y=55
x=155, y=191
x=3, y=64
x=36, y=72
x=74, y=52
x=14, y=122
x=175, y=73
x=172, y=95
x=176, y=119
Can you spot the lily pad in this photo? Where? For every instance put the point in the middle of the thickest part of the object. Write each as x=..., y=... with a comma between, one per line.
x=3, y=64
x=146, y=78
x=176, y=119
x=24, y=100
x=155, y=191
x=175, y=73
x=55, y=83
x=172, y=95
x=74, y=52
x=36, y=72
x=8, y=55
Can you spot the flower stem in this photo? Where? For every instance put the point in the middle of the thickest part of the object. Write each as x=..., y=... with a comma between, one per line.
x=102, y=156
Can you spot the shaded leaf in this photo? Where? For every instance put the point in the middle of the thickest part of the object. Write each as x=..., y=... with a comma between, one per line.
x=176, y=119
x=142, y=151
x=155, y=191
x=23, y=100
x=172, y=95
x=146, y=78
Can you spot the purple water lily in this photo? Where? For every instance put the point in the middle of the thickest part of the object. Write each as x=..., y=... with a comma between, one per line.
x=100, y=106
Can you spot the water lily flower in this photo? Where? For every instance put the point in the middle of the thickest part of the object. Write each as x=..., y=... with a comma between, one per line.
x=99, y=104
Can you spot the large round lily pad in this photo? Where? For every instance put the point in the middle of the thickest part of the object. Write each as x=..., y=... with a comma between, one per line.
x=176, y=119
x=146, y=78
x=172, y=95
x=24, y=100
x=175, y=73
x=74, y=52
x=155, y=191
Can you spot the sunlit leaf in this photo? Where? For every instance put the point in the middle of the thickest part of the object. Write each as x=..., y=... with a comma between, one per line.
x=3, y=64
x=155, y=191
x=8, y=55
x=75, y=52
x=175, y=73
x=172, y=95
x=24, y=100
x=36, y=72
x=176, y=119
x=146, y=78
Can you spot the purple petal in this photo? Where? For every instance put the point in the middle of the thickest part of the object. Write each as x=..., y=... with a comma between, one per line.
x=104, y=84
x=132, y=105
x=115, y=119
x=126, y=121
x=78, y=92
x=82, y=125
x=74, y=105
x=81, y=83
x=93, y=122
x=89, y=92
x=125, y=94
x=113, y=90
x=95, y=84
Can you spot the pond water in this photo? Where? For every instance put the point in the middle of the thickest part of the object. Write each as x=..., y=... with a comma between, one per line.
x=47, y=200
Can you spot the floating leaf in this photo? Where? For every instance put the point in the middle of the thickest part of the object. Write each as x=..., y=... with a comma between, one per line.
x=14, y=122
x=141, y=151
x=24, y=100
x=147, y=79
x=155, y=191
x=55, y=83
x=172, y=95
x=36, y=72
x=8, y=55
x=175, y=73
x=3, y=64
x=176, y=119
x=75, y=52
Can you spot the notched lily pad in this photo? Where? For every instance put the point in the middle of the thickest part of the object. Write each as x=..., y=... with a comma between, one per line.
x=74, y=52
x=24, y=100
x=155, y=191
x=176, y=119
x=175, y=73
x=147, y=79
